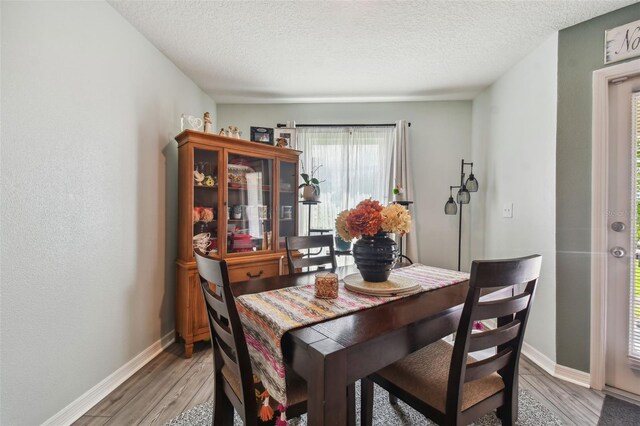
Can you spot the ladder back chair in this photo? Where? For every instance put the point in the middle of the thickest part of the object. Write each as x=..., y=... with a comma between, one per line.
x=233, y=376
x=448, y=385
x=321, y=242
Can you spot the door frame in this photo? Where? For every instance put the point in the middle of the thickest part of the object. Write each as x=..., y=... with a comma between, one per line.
x=599, y=185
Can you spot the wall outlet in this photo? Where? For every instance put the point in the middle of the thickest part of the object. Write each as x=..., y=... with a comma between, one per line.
x=507, y=210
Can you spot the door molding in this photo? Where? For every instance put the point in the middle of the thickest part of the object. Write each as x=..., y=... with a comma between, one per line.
x=599, y=185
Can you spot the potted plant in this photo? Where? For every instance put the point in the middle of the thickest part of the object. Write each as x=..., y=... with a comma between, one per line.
x=375, y=254
x=398, y=193
x=311, y=185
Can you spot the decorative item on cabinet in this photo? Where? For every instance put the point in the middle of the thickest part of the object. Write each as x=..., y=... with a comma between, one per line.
x=190, y=122
x=258, y=178
x=207, y=122
x=262, y=135
x=285, y=137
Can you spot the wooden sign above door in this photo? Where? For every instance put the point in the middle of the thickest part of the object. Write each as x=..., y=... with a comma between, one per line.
x=622, y=42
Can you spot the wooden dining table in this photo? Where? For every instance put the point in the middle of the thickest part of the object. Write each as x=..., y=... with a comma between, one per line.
x=335, y=353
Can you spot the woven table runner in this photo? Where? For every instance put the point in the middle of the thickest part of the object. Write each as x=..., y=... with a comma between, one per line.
x=267, y=316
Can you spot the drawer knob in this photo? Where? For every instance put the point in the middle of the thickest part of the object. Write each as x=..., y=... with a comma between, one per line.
x=256, y=275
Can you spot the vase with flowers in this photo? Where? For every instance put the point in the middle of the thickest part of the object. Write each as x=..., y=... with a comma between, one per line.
x=374, y=253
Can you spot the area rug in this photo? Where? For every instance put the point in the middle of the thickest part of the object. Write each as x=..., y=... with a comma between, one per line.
x=616, y=412
x=531, y=413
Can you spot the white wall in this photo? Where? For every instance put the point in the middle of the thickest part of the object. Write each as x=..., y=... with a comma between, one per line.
x=514, y=147
x=89, y=194
x=440, y=136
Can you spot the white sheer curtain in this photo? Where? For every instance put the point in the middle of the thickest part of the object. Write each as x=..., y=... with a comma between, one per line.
x=401, y=175
x=356, y=164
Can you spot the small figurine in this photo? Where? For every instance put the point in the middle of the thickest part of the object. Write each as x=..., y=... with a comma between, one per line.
x=198, y=177
x=222, y=132
x=230, y=134
x=282, y=142
x=207, y=123
x=236, y=132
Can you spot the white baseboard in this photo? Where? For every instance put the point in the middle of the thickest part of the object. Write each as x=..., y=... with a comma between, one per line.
x=561, y=372
x=574, y=376
x=623, y=395
x=84, y=403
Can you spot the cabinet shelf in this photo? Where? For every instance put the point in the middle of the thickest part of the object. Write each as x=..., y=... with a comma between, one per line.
x=205, y=186
x=265, y=188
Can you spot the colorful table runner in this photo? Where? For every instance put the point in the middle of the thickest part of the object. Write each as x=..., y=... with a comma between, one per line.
x=267, y=316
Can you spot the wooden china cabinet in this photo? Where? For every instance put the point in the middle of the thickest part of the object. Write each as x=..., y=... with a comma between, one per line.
x=238, y=200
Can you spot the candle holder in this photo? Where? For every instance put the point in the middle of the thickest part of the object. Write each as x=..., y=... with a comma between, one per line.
x=326, y=285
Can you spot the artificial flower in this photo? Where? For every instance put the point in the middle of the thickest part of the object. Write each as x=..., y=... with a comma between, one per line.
x=369, y=217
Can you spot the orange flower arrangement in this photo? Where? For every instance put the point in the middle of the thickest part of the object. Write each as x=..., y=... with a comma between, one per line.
x=369, y=217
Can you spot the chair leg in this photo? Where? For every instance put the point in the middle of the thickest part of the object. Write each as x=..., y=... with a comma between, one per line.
x=351, y=404
x=508, y=413
x=505, y=414
x=222, y=409
x=366, y=402
x=393, y=400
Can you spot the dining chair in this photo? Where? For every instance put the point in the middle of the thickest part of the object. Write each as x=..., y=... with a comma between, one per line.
x=233, y=376
x=319, y=242
x=444, y=382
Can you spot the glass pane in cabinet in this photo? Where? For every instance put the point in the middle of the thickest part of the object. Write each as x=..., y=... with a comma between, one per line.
x=288, y=193
x=205, y=200
x=249, y=225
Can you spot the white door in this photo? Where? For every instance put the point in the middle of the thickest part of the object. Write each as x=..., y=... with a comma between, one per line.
x=623, y=269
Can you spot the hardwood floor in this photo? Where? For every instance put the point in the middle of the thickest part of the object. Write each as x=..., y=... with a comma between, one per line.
x=171, y=384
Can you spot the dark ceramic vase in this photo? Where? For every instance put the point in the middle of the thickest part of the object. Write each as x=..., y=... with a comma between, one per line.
x=375, y=256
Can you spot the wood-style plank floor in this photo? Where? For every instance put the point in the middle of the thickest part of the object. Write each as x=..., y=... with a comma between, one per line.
x=171, y=384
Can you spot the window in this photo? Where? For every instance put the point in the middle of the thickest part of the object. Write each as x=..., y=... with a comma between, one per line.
x=355, y=163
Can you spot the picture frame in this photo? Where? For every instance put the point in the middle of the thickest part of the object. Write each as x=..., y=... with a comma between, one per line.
x=287, y=133
x=262, y=135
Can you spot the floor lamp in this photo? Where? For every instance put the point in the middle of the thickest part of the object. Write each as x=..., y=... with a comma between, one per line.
x=462, y=197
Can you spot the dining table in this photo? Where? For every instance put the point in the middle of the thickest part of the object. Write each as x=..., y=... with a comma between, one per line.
x=334, y=354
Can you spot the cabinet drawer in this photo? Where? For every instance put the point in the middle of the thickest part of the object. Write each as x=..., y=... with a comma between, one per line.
x=239, y=273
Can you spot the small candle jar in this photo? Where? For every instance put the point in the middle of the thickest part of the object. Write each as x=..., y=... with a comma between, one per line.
x=326, y=285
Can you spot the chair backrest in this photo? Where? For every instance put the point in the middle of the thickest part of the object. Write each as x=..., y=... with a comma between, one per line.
x=511, y=313
x=230, y=351
x=316, y=242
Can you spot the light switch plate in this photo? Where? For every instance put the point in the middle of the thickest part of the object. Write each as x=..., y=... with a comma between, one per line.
x=507, y=210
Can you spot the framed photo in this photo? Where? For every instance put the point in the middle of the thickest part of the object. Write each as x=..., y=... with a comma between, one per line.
x=262, y=135
x=285, y=137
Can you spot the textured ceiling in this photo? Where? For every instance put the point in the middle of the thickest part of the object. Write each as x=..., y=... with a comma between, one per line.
x=320, y=51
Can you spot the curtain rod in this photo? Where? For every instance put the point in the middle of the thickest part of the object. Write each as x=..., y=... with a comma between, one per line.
x=348, y=125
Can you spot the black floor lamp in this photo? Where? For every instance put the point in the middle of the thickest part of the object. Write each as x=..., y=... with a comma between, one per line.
x=462, y=197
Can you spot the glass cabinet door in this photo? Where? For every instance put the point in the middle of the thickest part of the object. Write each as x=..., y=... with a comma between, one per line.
x=205, y=200
x=287, y=191
x=249, y=202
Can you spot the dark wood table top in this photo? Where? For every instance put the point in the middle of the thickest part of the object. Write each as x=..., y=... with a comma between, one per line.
x=361, y=326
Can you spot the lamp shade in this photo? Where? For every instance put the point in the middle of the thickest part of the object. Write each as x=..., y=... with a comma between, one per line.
x=463, y=195
x=450, y=207
x=472, y=183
